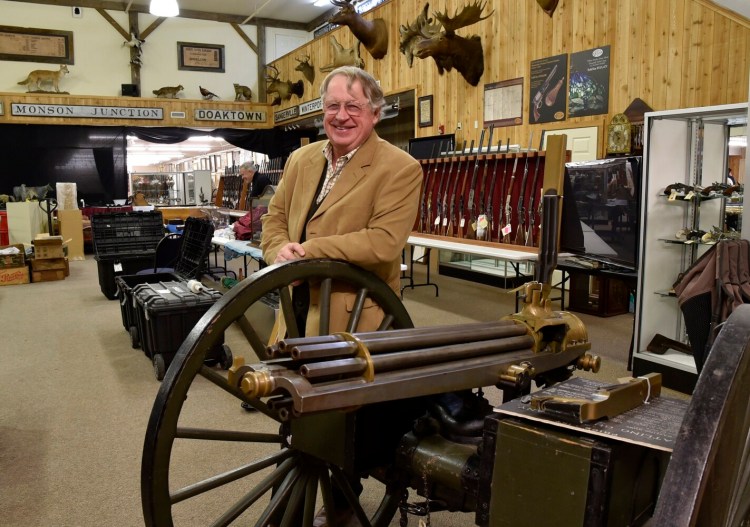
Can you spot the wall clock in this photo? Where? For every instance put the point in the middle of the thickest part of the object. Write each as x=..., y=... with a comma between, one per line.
x=618, y=136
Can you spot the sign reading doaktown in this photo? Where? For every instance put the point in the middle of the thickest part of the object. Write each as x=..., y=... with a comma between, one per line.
x=285, y=115
x=230, y=115
x=311, y=106
x=69, y=110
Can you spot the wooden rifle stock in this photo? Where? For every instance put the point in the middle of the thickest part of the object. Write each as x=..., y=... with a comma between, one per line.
x=506, y=229
x=449, y=211
x=521, y=227
x=472, y=227
x=490, y=198
x=441, y=222
x=460, y=197
x=425, y=183
x=532, y=212
x=434, y=181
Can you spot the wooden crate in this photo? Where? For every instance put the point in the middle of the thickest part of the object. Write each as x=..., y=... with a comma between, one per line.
x=48, y=276
x=48, y=247
x=14, y=276
x=48, y=264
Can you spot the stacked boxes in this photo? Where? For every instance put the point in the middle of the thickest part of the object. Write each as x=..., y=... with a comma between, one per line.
x=49, y=261
x=13, y=269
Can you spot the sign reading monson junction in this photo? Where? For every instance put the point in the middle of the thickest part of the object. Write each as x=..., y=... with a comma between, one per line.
x=230, y=115
x=70, y=110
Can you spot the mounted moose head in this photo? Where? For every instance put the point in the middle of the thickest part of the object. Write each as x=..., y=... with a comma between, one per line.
x=283, y=89
x=307, y=69
x=373, y=34
x=450, y=50
x=411, y=34
x=343, y=56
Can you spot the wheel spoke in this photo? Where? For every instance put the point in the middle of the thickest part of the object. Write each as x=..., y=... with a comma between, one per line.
x=251, y=497
x=259, y=347
x=359, y=305
x=325, y=306
x=225, y=435
x=295, y=502
x=311, y=492
x=386, y=323
x=280, y=496
x=219, y=380
x=228, y=477
x=351, y=498
x=287, y=309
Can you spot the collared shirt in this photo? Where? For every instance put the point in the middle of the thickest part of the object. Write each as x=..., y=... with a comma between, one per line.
x=333, y=171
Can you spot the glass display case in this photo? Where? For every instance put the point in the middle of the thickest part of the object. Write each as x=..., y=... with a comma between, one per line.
x=173, y=188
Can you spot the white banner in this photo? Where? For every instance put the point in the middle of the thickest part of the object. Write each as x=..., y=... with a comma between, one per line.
x=69, y=110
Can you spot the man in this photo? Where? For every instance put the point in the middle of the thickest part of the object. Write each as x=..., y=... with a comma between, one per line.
x=352, y=197
x=256, y=182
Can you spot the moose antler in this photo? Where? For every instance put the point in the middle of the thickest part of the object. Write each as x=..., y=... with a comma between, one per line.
x=470, y=14
x=422, y=27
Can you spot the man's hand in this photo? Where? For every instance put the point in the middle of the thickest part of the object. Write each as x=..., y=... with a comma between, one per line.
x=291, y=251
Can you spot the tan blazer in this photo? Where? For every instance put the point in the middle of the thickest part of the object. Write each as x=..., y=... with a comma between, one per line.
x=365, y=219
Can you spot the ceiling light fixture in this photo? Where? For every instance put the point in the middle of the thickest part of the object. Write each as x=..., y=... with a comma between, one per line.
x=164, y=8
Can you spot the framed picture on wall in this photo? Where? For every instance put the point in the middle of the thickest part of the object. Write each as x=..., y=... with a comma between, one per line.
x=36, y=45
x=200, y=57
x=424, y=108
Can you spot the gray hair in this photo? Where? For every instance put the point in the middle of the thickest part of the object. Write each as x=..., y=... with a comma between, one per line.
x=353, y=74
x=249, y=165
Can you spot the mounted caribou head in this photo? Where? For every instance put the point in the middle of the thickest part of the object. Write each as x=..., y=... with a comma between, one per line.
x=307, y=69
x=450, y=50
x=372, y=33
x=343, y=56
x=283, y=89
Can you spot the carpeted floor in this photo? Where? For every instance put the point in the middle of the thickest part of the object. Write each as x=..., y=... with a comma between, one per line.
x=76, y=398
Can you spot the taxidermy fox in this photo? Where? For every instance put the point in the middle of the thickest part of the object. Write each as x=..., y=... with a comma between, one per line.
x=168, y=92
x=36, y=78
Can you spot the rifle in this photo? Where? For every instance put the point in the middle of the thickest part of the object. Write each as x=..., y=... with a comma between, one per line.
x=459, y=196
x=508, y=209
x=443, y=209
x=521, y=228
x=451, y=216
x=502, y=186
x=425, y=182
x=472, y=228
x=479, y=224
x=532, y=212
x=434, y=181
x=488, y=206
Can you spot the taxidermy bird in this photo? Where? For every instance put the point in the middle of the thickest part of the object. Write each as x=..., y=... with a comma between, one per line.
x=207, y=94
x=134, y=42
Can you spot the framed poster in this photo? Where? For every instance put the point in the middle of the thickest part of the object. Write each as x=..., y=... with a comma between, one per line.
x=503, y=103
x=200, y=57
x=547, y=89
x=36, y=45
x=425, y=111
x=588, y=92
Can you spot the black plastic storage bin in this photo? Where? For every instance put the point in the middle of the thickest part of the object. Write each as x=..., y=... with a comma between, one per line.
x=166, y=312
x=124, y=243
x=125, y=285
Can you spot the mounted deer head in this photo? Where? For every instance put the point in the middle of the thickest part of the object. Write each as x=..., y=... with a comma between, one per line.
x=372, y=33
x=343, y=56
x=307, y=69
x=450, y=50
x=283, y=89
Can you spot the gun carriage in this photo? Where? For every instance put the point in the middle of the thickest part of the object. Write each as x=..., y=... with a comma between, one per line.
x=353, y=421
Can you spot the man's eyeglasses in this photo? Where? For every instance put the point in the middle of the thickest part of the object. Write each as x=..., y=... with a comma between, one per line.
x=352, y=108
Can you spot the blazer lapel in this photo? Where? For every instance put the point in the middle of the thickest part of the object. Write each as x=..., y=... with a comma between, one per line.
x=308, y=181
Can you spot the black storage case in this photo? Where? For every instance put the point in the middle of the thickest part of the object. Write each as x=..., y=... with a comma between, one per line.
x=166, y=312
x=124, y=243
x=125, y=285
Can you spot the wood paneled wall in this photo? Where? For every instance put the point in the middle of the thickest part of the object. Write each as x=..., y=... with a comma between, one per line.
x=670, y=53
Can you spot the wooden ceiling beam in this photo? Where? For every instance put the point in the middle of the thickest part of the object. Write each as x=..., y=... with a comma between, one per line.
x=184, y=13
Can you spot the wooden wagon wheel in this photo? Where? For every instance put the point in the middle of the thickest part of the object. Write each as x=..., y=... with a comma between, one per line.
x=708, y=478
x=279, y=485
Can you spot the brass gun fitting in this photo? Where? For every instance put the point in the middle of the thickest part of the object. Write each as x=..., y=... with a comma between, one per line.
x=588, y=362
x=251, y=383
x=258, y=384
x=519, y=375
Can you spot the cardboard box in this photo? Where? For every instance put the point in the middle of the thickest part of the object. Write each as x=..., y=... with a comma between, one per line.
x=48, y=276
x=14, y=275
x=25, y=221
x=12, y=260
x=48, y=264
x=71, y=228
x=48, y=247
